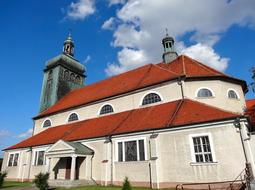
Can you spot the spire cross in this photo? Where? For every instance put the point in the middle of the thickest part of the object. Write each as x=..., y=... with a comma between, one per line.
x=166, y=32
x=69, y=32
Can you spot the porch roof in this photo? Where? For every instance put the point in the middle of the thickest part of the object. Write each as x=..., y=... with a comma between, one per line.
x=80, y=148
x=63, y=148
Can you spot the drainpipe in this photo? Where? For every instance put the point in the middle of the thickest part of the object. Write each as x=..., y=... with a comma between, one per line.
x=238, y=125
x=91, y=172
x=179, y=82
x=111, y=160
x=150, y=164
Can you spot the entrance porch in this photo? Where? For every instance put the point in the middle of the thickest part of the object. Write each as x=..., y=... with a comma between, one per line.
x=69, y=164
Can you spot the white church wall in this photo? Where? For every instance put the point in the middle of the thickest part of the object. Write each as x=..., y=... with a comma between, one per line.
x=19, y=172
x=169, y=154
x=176, y=158
x=97, y=159
x=169, y=91
x=220, y=94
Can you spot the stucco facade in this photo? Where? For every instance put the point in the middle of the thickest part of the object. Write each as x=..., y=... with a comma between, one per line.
x=168, y=158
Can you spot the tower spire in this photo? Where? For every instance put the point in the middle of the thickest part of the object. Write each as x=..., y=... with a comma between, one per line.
x=68, y=47
x=168, y=44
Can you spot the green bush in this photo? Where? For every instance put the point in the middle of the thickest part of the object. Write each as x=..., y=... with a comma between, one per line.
x=2, y=176
x=126, y=184
x=41, y=181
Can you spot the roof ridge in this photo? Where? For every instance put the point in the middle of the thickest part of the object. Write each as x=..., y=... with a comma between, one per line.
x=178, y=107
x=156, y=65
x=183, y=65
x=210, y=69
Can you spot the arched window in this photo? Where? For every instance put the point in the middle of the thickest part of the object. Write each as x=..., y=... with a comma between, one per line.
x=73, y=117
x=78, y=79
x=204, y=92
x=106, y=109
x=47, y=123
x=151, y=98
x=66, y=75
x=72, y=77
x=232, y=94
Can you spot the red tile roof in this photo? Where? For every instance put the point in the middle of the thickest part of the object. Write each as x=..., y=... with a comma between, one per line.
x=250, y=110
x=132, y=80
x=189, y=67
x=172, y=114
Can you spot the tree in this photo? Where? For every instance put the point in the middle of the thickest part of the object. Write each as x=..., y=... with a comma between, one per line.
x=41, y=181
x=2, y=176
x=126, y=184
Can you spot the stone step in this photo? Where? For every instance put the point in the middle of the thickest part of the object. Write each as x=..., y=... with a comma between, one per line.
x=70, y=183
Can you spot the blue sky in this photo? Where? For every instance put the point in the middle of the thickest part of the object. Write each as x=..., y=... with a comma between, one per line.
x=113, y=36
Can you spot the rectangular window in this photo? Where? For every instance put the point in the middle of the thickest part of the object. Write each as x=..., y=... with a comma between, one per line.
x=13, y=159
x=141, y=150
x=202, y=149
x=120, y=152
x=131, y=151
x=39, y=158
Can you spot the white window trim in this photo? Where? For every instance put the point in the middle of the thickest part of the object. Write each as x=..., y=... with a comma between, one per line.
x=46, y=120
x=98, y=113
x=151, y=91
x=9, y=154
x=193, y=158
x=70, y=115
x=238, y=97
x=213, y=94
x=123, y=148
x=34, y=153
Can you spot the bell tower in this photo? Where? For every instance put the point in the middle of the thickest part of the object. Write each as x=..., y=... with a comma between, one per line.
x=62, y=74
x=169, y=53
x=68, y=47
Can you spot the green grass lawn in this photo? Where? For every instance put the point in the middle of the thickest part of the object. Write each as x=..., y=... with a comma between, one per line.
x=102, y=188
x=12, y=184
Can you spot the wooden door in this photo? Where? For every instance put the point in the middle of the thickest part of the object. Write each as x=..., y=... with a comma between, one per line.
x=68, y=167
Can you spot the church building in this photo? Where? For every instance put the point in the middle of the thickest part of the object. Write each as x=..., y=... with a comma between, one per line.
x=174, y=122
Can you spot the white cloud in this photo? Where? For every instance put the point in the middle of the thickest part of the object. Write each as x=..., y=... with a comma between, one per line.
x=4, y=133
x=25, y=134
x=81, y=9
x=206, y=55
x=109, y=24
x=88, y=58
x=129, y=59
x=141, y=25
x=114, y=2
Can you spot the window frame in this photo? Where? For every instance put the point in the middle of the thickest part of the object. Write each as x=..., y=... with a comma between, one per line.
x=78, y=116
x=193, y=157
x=213, y=94
x=12, y=164
x=45, y=121
x=123, y=149
x=151, y=92
x=35, y=157
x=231, y=89
x=99, y=111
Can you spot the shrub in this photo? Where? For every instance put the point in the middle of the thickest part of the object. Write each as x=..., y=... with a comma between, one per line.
x=126, y=184
x=2, y=176
x=41, y=181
